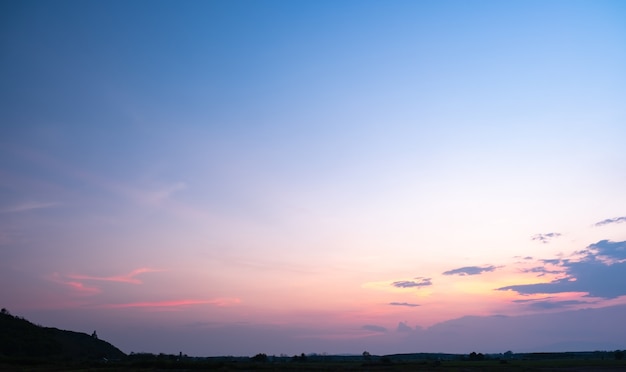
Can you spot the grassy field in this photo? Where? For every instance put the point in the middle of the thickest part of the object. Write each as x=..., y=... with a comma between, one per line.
x=374, y=365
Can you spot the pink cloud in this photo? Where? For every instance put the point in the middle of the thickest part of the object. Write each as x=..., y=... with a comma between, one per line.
x=175, y=303
x=76, y=281
x=81, y=288
x=126, y=278
x=76, y=286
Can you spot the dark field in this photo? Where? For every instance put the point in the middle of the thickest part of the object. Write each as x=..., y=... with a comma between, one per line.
x=380, y=364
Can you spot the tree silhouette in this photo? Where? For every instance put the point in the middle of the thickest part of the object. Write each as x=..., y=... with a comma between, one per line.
x=474, y=356
x=261, y=357
x=301, y=358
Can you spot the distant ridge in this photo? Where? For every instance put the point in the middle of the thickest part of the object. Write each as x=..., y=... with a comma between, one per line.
x=20, y=338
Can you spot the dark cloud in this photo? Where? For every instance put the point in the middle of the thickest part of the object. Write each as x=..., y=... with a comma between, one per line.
x=374, y=328
x=549, y=305
x=611, y=220
x=470, y=270
x=545, y=304
x=601, y=272
x=418, y=282
x=523, y=301
x=541, y=271
x=556, y=286
x=553, y=261
x=545, y=238
x=607, y=248
x=403, y=327
x=403, y=304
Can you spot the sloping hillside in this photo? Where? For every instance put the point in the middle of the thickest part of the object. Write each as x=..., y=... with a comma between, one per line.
x=20, y=338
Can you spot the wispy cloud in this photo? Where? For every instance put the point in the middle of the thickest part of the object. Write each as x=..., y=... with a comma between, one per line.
x=175, y=303
x=407, y=304
x=82, y=288
x=525, y=258
x=77, y=288
x=125, y=278
x=545, y=238
x=541, y=271
x=157, y=196
x=528, y=300
x=600, y=272
x=470, y=270
x=29, y=206
x=609, y=221
x=76, y=282
x=418, y=282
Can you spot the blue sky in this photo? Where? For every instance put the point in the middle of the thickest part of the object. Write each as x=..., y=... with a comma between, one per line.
x=323, y=169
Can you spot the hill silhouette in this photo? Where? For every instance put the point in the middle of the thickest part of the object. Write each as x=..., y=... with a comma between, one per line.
x=20, y=338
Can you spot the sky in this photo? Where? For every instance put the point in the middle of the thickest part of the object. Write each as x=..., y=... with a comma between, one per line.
x=286, y=177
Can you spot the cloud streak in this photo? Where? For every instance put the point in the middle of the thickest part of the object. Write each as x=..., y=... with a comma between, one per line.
x=222, y=302
x=470, y=270
x=417, y=283
x=80, y=288
x=609, y=221
x=407, y=304
x=77, y=287
x=126, y=278
x=29, y=206
x=541, y=271
x=551, y=305
x=76, y=282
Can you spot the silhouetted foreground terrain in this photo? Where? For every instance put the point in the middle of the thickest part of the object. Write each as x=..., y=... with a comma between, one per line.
x=22, y=340
x=25, y=346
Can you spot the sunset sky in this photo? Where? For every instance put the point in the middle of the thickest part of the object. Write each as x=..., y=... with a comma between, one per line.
x=238, y=177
